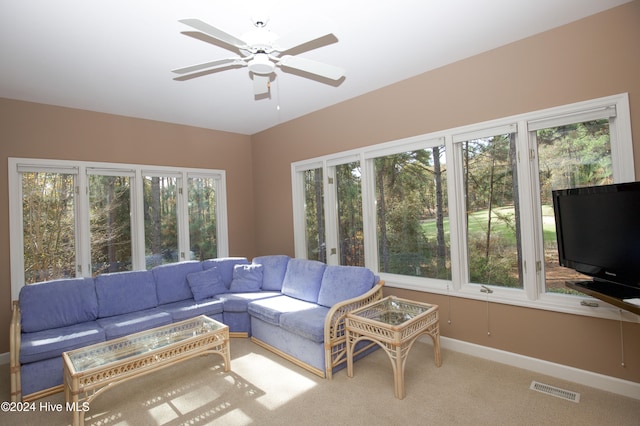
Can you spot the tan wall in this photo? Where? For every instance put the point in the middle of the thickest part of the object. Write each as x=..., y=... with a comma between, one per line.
x=594, y=57
x=40, y=131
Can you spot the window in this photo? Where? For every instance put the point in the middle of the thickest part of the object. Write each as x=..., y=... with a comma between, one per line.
x=569, y=156
x=349, y=220
x=110, y=222
x=343, y=244
x=411, y=213
x=160, y=220
x=480, y=216
x=492, y=209
x=80, y=219
x=203, y=224
x=48, y=226
x=314, y=215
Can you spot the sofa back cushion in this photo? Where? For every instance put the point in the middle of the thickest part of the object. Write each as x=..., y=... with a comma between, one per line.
x=57, y=303
x=225, y=266
x=344, y=282
x=171, y=281
x=125, y=292
x=302, y=279
x=275, y=266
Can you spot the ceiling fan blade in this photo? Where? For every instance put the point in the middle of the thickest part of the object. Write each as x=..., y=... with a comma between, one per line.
x=260, y=84
x=198, y=67
x=185, y=77
x=299, y=37
x=313, y=67
x=214, y=32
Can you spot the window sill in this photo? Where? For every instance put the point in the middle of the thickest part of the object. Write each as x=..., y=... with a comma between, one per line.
x=561, y=303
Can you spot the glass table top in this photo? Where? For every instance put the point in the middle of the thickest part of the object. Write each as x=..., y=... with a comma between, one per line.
x=140, y=343
x=393, y=311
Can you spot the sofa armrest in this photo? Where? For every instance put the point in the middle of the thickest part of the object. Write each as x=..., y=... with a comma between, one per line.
x=335, y=343
x=15, y=328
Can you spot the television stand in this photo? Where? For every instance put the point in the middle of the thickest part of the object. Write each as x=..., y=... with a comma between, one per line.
x=591, y=288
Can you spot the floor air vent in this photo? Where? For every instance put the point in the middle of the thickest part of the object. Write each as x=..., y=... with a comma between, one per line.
x=554, y=391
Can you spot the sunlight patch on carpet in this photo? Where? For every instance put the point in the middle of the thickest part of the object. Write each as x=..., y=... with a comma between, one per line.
x=280, y=383
x=196, y=398
x=235, y=417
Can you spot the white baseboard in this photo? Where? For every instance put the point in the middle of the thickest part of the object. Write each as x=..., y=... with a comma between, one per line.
x=587, y=378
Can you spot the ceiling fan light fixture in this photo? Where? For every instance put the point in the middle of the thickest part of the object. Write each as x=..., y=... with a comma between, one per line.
x=261, y=64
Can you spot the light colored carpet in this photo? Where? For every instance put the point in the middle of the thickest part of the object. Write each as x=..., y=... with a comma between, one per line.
x=264, y=389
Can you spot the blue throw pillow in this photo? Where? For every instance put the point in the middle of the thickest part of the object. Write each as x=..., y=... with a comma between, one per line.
x=206, y=284
x=246, y=278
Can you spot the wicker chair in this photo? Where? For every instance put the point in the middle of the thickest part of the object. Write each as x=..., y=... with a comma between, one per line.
x=335, y=345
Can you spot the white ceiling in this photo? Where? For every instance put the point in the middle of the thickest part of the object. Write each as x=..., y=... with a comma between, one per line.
x=116, y=56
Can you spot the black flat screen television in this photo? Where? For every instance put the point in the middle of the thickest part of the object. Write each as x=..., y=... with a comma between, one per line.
x=598, y=234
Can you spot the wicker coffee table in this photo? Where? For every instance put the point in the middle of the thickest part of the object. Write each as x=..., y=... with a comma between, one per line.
x=394, y=324
x=90, y=370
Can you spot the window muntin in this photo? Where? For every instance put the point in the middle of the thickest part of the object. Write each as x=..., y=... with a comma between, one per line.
x=492, y=210
x=569, y=156
x=48, y=225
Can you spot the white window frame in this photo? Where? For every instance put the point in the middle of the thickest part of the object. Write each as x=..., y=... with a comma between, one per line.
x=82, y=169
x=533, y=294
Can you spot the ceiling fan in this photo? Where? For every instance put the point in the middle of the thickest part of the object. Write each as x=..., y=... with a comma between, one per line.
x=260, y=51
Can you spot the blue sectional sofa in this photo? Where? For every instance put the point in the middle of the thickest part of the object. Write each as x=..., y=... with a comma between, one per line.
x=294, y=307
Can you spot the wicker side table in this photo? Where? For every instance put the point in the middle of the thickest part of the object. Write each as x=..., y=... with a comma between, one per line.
x=394, y=324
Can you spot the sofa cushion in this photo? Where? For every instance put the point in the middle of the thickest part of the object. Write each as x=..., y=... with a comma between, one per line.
x=58, y=303
x=40, y=375
x=344, y=282
x=171, y=281
x=269, y=310
x=206, y=284
x=302, y=279
x=225, y=266
x=122, y=325
x=123, y=292
x=275, y=266
x=238, y=302
x=186, y=309
x=246, y=278
x=51, y=343
x=308, y=323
